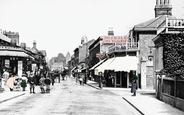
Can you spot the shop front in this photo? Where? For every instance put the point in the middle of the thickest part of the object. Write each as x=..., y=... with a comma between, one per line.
x=14, y=59
x=118, y=71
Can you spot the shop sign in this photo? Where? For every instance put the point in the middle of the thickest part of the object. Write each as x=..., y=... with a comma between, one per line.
x=20, y=68
x=34, y=67
x=114, y=39
x=7, y=63
x=101, y=55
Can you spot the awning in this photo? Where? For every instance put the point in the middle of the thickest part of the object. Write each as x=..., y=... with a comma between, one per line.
x=123, y=64
x=73, y=69
x=103, y=66
x=100, y=62
x=13, y=53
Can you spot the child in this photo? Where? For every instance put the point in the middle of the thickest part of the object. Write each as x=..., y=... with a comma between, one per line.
x=47, y=83
x=42, y=84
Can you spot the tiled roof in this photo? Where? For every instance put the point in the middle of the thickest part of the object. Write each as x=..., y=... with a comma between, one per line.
x=153, y=24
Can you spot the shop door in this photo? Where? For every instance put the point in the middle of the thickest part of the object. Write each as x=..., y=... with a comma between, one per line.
x=124, y=79
x=118, y=79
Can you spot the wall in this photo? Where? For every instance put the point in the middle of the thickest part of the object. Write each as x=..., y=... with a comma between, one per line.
x=147, y=77
x=84, y=51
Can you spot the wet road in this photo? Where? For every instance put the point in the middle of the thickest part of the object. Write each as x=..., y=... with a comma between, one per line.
x=68, y=98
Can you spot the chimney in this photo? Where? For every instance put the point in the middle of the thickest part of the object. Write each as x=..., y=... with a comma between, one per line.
x=34, y=44
x=110, y=32
x=163, y=7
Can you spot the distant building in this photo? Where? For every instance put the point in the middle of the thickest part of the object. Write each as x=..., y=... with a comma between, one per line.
x=57, y=66
x=68, y=58
x=14, y=36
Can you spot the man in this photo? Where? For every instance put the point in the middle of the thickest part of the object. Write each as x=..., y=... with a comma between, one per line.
x=31, y=80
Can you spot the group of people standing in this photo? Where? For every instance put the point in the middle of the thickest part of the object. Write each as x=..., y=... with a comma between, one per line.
x=10, y=81
x=44, y=83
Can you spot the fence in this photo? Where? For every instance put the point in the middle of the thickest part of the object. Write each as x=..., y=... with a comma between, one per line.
x=171, y=91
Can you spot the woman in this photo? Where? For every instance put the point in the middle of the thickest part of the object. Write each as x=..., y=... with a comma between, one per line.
x=134, y=84
x=10, y=82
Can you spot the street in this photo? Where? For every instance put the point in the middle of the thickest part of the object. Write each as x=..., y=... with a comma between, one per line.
x=68, y=98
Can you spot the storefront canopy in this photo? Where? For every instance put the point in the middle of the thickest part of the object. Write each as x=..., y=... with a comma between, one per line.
x=100, y=62
x=13, y=53
x=103, y=66
x=123, y=64
x=127, y=63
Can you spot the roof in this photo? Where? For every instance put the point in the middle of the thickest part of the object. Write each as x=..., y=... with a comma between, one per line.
x=43, y=52
x=3, y=37
x=34, y=50
x=153, y=24
x=95, y=42
x=13, y=53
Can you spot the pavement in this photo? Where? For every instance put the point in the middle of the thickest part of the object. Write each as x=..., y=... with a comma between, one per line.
x=145, y=101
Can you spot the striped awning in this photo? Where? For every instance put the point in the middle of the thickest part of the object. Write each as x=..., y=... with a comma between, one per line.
x=96, y=65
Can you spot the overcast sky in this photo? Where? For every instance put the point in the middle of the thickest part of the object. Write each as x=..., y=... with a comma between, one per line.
x=58, y=25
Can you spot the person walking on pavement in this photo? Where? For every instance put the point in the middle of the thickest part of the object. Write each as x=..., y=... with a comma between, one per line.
x=31, y=80
x=134, y=83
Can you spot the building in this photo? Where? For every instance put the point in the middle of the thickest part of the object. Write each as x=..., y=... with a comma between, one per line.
x=57, y=66
x=68, y=58
x=84, y=53
x=12, y=56
x=14, y=36
x=168, y=63
x=144, y=33
x=108, y=55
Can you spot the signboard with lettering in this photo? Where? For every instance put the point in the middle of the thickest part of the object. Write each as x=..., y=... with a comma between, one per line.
x=114, y=39
x=20, y=65
x=7, y=63
x=100, y=55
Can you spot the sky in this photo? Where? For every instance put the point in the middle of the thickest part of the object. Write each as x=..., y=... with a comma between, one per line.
x=57, y=26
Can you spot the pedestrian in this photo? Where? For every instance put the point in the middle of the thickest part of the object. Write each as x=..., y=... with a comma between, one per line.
x=134, y=83
x=31, y=80
x=80, y=80
x=52, y=77
x=10, y=82
x=83, y=78
x=4, y=78
x=42, y=84
x=47, y=83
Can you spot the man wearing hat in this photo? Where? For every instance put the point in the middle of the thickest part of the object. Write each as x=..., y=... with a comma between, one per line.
x=31, y=80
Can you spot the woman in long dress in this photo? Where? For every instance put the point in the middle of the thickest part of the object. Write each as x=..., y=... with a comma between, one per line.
x=10, y=82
